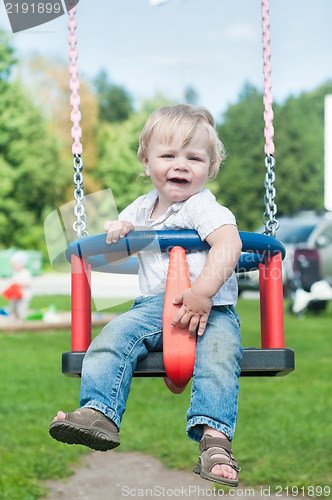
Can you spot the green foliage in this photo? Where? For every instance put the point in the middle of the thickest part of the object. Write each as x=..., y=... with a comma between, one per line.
x=299, y=138
x=115, y=104
x=299, y=141
x=37, y=178
x=240, y=184
x=7, y=59
x=118, y=166
x=29, y=158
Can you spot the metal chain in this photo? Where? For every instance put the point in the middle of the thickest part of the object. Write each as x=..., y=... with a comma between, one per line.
x=270, y=222
x=79, y=225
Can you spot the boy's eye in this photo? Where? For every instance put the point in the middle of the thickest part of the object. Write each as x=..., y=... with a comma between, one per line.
x=194, y=158
x=167, y=155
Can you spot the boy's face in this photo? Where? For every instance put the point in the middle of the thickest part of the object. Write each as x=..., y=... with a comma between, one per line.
x=178, y=172
x=17, y=266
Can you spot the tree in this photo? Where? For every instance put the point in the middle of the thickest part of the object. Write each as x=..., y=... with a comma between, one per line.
x=49, y=90
x=191, y=95
x=115, y=104
x=118, y=166
x=240, y=184
x=299, y=138
x=7, y=59
x=299, y=154
x=29, y=158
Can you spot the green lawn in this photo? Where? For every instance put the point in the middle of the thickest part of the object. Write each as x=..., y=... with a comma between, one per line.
x=284, y=432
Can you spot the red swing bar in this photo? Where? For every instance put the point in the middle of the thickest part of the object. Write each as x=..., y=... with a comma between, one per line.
x=80, y=304
x=271, y=303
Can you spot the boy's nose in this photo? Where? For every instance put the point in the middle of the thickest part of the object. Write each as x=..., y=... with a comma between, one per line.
x=181, y=164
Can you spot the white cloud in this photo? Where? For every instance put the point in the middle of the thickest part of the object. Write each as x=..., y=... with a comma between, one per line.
x=242, y=32
x=157, y=2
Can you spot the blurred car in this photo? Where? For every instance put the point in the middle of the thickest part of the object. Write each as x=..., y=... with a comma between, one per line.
x=307, y=237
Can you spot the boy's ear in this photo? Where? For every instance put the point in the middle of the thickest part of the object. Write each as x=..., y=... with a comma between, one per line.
x=145, y=162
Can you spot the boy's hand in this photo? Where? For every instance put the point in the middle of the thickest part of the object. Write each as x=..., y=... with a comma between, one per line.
x=117, y=229
x=194, y=311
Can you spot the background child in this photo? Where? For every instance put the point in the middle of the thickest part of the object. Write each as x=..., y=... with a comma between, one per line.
x=179, y=149
x=18, y=292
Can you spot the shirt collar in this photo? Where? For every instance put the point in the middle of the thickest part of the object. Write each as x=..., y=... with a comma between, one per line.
x=150, y=201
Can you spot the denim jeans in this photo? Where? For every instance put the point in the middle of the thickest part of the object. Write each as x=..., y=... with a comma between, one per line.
x=111, y=360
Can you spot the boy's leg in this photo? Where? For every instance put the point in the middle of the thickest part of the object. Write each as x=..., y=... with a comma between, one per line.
x=214, y=397
x=13, y=309
x=215, y=386
x=111, y=360
x=22, y=308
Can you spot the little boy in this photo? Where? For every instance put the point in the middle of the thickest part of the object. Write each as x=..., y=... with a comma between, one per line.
x=179, y=149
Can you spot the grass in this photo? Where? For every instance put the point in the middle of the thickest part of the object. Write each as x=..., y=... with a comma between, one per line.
x=285, y=427
x=62, y=303
x=30, y=369
x=284, y=431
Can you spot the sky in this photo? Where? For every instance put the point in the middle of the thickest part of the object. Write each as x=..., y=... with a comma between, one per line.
x=213, y=46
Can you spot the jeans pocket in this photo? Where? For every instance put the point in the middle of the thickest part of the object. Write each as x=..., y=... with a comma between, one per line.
x=146, y=299
x=232, y=312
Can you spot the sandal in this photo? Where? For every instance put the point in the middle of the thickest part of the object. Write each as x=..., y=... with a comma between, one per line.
x=88, y=427
x=210, y=446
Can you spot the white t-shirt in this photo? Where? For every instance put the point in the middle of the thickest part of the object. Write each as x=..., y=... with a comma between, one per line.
x=200, y=212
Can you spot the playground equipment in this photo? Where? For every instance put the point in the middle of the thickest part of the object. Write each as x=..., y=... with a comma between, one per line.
x=263, y=252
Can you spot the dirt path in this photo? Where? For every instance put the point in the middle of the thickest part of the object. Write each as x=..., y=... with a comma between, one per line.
x=117, y=476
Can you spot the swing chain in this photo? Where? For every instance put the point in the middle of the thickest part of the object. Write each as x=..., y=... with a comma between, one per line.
x=79, y=225
x=270, y=222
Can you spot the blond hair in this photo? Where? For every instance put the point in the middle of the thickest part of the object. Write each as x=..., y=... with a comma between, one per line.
x=167, y=121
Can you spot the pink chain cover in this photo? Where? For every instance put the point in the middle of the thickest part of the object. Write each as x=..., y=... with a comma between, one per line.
x=74, y=84
x=268, y=112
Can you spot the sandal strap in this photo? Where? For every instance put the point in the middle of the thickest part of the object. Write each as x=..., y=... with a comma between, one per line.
x=211, y=446
x=214, y=456
x=208, y=441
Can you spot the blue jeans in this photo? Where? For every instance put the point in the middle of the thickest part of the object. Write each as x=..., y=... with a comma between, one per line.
x=111, y=360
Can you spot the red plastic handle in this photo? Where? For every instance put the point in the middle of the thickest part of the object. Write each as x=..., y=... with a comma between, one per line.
x=178, y=345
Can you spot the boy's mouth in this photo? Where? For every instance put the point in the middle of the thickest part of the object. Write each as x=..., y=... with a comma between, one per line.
x=178, y=180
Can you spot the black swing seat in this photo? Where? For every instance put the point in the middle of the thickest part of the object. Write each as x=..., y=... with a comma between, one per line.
x=255, y=362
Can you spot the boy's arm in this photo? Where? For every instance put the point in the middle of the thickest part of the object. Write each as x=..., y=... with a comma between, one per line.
x=222, y=258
